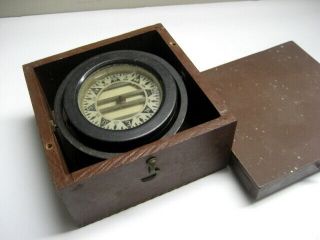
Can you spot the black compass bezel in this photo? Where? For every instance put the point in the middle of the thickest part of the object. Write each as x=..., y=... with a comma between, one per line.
x=105, y=150
x=145, y=60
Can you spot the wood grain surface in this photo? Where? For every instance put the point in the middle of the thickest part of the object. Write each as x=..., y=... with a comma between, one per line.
x=275, y=97
x=109, y=186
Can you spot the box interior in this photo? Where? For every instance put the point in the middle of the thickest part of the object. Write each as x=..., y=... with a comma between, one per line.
x=50, y=75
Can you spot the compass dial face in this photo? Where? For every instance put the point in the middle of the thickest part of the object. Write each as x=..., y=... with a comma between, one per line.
x=120, y=96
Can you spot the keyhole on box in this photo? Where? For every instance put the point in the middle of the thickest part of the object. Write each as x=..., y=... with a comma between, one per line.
x=152, y=169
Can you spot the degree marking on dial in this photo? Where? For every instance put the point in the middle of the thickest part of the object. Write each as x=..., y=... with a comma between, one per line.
x=91, y=108
x=103, y=122
x=95, y=90
x=147, y=110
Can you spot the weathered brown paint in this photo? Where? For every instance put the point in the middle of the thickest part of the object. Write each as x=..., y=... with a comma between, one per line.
x=275, y=96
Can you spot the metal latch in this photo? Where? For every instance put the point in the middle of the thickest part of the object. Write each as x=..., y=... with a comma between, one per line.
x=152, y=169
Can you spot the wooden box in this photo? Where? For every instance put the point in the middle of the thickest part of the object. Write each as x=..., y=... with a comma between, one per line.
x=102, y=187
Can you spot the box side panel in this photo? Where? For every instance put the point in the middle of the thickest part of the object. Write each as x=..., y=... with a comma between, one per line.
x=122, y=187
x=259, y=192
x=57, y=166
x=281, y=183
x=244, y=177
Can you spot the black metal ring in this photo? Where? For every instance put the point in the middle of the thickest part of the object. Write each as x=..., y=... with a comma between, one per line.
x=142, y=59
x=169, y=126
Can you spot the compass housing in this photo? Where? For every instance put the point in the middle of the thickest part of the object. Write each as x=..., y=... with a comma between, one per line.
x=104, y=143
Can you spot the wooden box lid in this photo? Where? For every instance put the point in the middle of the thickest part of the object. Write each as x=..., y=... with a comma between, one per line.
x=275, y=96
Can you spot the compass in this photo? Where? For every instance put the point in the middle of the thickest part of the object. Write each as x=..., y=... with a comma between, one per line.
x=119, y=100
x=120, y=97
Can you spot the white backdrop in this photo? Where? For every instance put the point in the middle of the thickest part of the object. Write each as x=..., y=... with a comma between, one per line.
x=213, y=207
x=10, y=8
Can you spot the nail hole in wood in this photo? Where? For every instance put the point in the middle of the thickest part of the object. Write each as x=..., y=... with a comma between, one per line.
x=49, y=146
